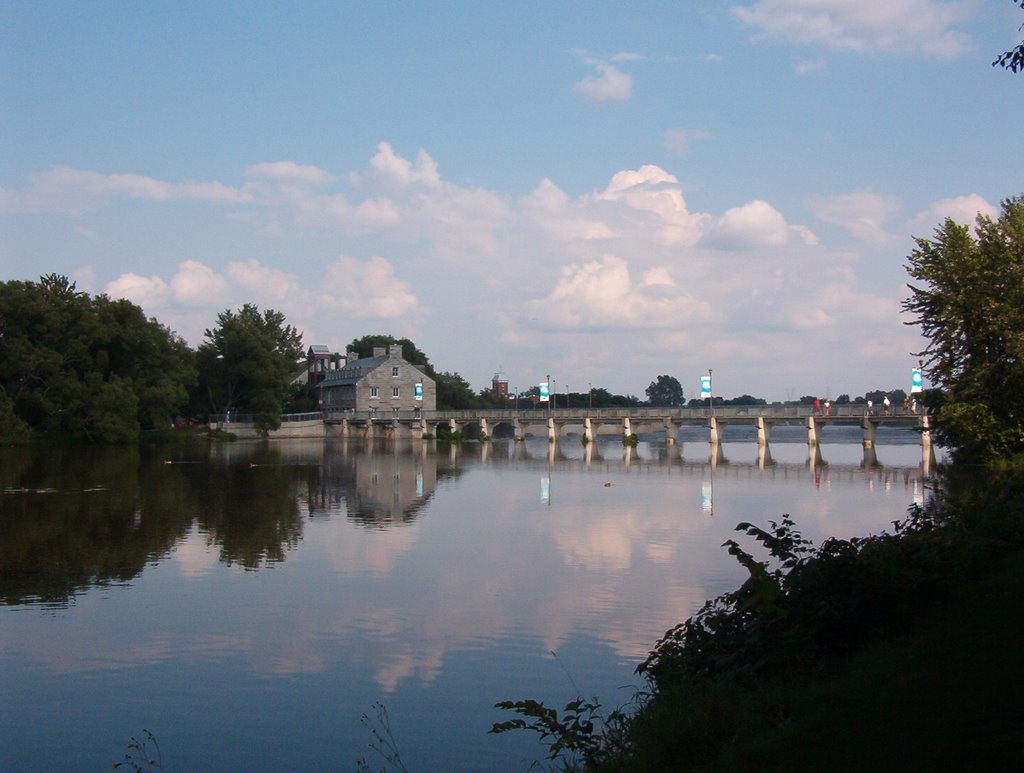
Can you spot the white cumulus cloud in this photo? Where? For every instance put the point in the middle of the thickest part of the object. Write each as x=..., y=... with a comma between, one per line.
x=756, y=224
x=367, y=290
x=149, y=292
x=925, y=26
x=392, y=167
x=962, y=209
x=607, y=84
x=601, y=294
x=863, y=214
x=196, y=284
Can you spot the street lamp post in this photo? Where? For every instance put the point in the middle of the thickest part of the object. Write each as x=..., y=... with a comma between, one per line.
x=711, y=394
x=590, y=396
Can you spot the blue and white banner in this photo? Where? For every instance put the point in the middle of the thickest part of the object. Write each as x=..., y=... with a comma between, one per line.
x=418, y=391
x=705, y=386
x=544, y=391
x=916, y=382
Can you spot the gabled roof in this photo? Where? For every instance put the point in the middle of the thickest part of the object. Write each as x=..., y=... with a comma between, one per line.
x=319, y=349
x=353, y=371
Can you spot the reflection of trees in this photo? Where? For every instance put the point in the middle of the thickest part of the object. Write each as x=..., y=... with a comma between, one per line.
x=250, y=509
x=71, y=518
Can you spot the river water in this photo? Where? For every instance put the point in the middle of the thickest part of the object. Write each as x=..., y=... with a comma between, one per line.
x=253, y=605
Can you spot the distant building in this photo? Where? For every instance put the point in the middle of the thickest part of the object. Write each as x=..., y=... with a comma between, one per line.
x=499, y=385
x=318, y=363
x=383, y=383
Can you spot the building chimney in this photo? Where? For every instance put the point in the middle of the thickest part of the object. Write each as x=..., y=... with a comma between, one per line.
x=380, y=351
x=394, y=351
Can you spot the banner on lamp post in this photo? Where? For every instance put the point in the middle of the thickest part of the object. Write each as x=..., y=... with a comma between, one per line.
x=544, y=395
x=418, y=391
x=705, y=387
x=916, y=382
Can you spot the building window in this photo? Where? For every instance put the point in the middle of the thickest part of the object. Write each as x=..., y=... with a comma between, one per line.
x=395, y=392
x=394, y=372
x=373, y=392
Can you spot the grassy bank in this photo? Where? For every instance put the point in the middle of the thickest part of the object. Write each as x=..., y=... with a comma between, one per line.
x=946, y=694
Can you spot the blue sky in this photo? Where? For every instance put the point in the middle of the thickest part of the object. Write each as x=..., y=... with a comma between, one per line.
x=600, y=191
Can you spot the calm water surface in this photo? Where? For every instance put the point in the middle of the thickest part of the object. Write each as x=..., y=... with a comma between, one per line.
x=249, y=603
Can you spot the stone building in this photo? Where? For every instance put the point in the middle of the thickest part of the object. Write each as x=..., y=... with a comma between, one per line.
x=383, y=383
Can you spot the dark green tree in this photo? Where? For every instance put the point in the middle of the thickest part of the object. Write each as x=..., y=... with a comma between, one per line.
x=454, y=392
x=665, y=391
x=245, y=363
x=87, y=367
x=969, y=303
x=13, y=429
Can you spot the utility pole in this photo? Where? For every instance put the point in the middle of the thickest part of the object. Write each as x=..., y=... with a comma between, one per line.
x=711, y=394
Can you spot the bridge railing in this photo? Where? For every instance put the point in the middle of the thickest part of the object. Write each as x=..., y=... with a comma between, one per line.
x=725, y=412
x=534, y=415
x=248, y=418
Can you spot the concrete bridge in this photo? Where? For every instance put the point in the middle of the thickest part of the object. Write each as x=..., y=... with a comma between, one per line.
x=592, y=422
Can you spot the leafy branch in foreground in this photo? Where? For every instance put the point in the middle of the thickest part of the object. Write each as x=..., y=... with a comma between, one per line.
x=1012, y=60
x=581, y=734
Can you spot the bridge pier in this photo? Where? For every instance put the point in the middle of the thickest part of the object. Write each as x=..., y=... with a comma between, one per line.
x=869, y=432
x=484, y=433
x=764, y=431
x=588, y=432
x=814, y=428
x=670, y=432
x=552, y=430
x=717, y=427
x=627, y=428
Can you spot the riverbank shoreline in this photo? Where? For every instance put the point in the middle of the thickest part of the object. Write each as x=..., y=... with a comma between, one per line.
x=891, y=651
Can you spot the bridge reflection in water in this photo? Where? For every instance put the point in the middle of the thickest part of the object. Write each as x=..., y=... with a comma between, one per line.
x=385, y=483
